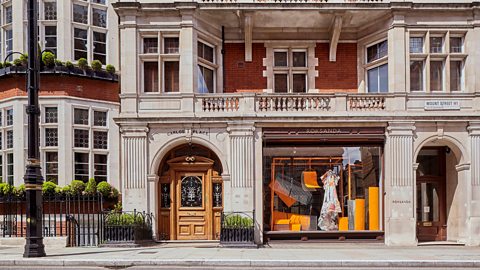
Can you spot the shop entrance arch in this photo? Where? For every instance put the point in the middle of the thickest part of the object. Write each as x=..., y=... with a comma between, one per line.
x=190, y=194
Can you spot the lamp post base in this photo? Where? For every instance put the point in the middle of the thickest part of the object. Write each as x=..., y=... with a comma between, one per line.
x=34, y=247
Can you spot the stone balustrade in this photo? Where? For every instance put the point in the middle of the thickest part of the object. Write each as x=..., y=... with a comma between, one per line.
x=366, y=103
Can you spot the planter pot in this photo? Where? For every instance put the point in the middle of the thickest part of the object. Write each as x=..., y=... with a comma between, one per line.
x=124, y=234
x=61, y=69
x=237, y=235
x=101, y=74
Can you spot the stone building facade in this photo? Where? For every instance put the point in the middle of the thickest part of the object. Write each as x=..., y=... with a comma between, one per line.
x=255, y=106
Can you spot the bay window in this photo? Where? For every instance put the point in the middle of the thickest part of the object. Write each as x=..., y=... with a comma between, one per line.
x=377, y=67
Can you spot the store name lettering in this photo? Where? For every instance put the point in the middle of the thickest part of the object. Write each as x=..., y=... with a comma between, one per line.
x=324, y=131
x=205, y=132
x=402, y=201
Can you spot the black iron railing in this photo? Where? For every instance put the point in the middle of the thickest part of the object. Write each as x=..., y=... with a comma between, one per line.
x=127, y=227
x=237, y=228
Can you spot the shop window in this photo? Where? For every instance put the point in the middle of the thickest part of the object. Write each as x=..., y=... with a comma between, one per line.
x=80, y=43
x=377, y=51
x=378, y=79
x=100, y=118
x=416, y=44
x=150, y=45
x=100, y=140
x=51, y=137
x=81, y=138
x=436, y=76
x=331, y=188
x=456, y=45
x=80, y=116
x=150, y=73
x=100, y=167
x=51, y=167
x=456, y=79
x=416, y=75
x=436, y=44
x=80, y=13
x=50, y=11
x=81, y=166
x=51, y=38
x=10, y=164
x=51, y=115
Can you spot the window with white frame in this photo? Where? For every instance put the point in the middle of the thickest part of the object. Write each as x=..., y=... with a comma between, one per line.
x=377, y=67
x=50, y=142
x=10, y=166
x=8, y=43
x=206, y=68
x=290, y=70
x=428, y=67
x=90, y=144
x=51, y=166
x=160, y=55
x=6, y=145
x=90, y=30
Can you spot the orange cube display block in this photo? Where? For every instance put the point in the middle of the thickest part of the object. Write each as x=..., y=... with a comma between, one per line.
x=343, y=224
x=373, y=219
x=359, y=214
x=295, y=227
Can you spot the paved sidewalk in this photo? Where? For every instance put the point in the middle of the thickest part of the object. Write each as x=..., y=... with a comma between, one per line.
x=281, y=255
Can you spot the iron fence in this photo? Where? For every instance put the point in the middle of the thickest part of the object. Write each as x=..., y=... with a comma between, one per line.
x=78, y=217
x=237, y=228
x=127, y=227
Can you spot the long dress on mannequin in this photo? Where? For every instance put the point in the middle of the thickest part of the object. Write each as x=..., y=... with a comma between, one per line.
x=331, y=206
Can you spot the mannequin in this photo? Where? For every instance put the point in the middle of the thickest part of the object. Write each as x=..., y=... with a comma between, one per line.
x=331, y=206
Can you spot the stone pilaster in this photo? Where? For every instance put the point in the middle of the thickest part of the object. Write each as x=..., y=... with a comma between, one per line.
x=473, y=217
x=188, y=52
x=134, y=169
x=400, y=225
x=242, y=165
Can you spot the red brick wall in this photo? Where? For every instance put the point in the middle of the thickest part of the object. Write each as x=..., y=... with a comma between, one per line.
x=244, y=76
x=55, y=85
x=339, y=76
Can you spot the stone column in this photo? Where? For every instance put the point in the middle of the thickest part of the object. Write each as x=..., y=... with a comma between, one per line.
x=400, y=224
x=396, y=61
x=134, y=163
x=473, y=216
x=242, y=166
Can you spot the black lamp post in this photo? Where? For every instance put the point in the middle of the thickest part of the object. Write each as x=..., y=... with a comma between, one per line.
x=33, y=177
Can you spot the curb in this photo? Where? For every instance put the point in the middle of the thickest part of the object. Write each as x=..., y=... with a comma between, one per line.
x=249, y=263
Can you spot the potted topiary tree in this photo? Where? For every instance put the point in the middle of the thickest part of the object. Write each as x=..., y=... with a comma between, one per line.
x=97, y=69
x=110, y=69
x=48, y=60
x=83, y=65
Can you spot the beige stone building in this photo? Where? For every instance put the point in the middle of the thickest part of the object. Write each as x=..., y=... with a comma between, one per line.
x=318, y=119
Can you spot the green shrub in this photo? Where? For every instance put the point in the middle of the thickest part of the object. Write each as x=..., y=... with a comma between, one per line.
x=20, y=190
x=1, y=65
x=58, y=63
x=6, y=189
x=110, y=69
x=17, y=62
x=91, y=187
x=115, y=193
x=77, y=187
x=104, y=188
x=237, y=221
x=69, y=64
x=24, y=59
x=96, y=65
x=48, y=188
x=124, y=219
x=82, y=63
x=7, y=64
x=67, y=190
x=48, y=59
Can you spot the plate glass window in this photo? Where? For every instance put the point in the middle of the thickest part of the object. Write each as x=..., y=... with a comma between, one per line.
x=416, y=45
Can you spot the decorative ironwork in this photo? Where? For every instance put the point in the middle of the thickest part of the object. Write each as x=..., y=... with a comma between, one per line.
x=217, y=195
x=165, y=197
x=191, y=191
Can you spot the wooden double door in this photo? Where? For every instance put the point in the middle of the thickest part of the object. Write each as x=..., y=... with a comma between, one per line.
x=191, y=201
x=431, y=195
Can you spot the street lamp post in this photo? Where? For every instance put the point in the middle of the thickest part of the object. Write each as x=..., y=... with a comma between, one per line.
x=33, y=176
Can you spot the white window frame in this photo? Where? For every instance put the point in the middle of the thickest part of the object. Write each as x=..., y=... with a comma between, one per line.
x=207, y=64
x=290, y=69
x=374, y=64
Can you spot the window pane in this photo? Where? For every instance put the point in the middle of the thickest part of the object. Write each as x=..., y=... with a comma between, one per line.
x=81, y=138
x=99, y=17
x=100, y=118
x=51, y=115
x=9, y=117
x=51, y=137
x=206, y=80
x=436, y=75
x=436, y=44
x=51, y=38
x=377, y=51
x=1, y=168
x=99, y=46
x=99, y=1
x=416, y=75
x=50, y=10
x=100, y=168
x=51, y=170
x=1, y=141
x=383, y=78
x=8, y=44
x=416, y=45
x=171, y=76
x=281, y=83
x=8, y=14
x=299, y=59
x=100, y=139
x=150, y=45
x=373, y=80
x=9, y=139
x=299, y=83
x=205, y=51
x=171, y=45
x=150, y=70
x=456, y=44
x=80, y=43
x=80, y=116
x=382, y=49
x=10, y=168
x=455, y=75
x=80, y=14
x=81, y=166
x=280, y=59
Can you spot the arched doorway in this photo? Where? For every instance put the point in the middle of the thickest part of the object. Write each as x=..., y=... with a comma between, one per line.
x=438, y=195
x=190, y=193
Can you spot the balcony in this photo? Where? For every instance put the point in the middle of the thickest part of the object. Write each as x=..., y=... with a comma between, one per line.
x=303, y=106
